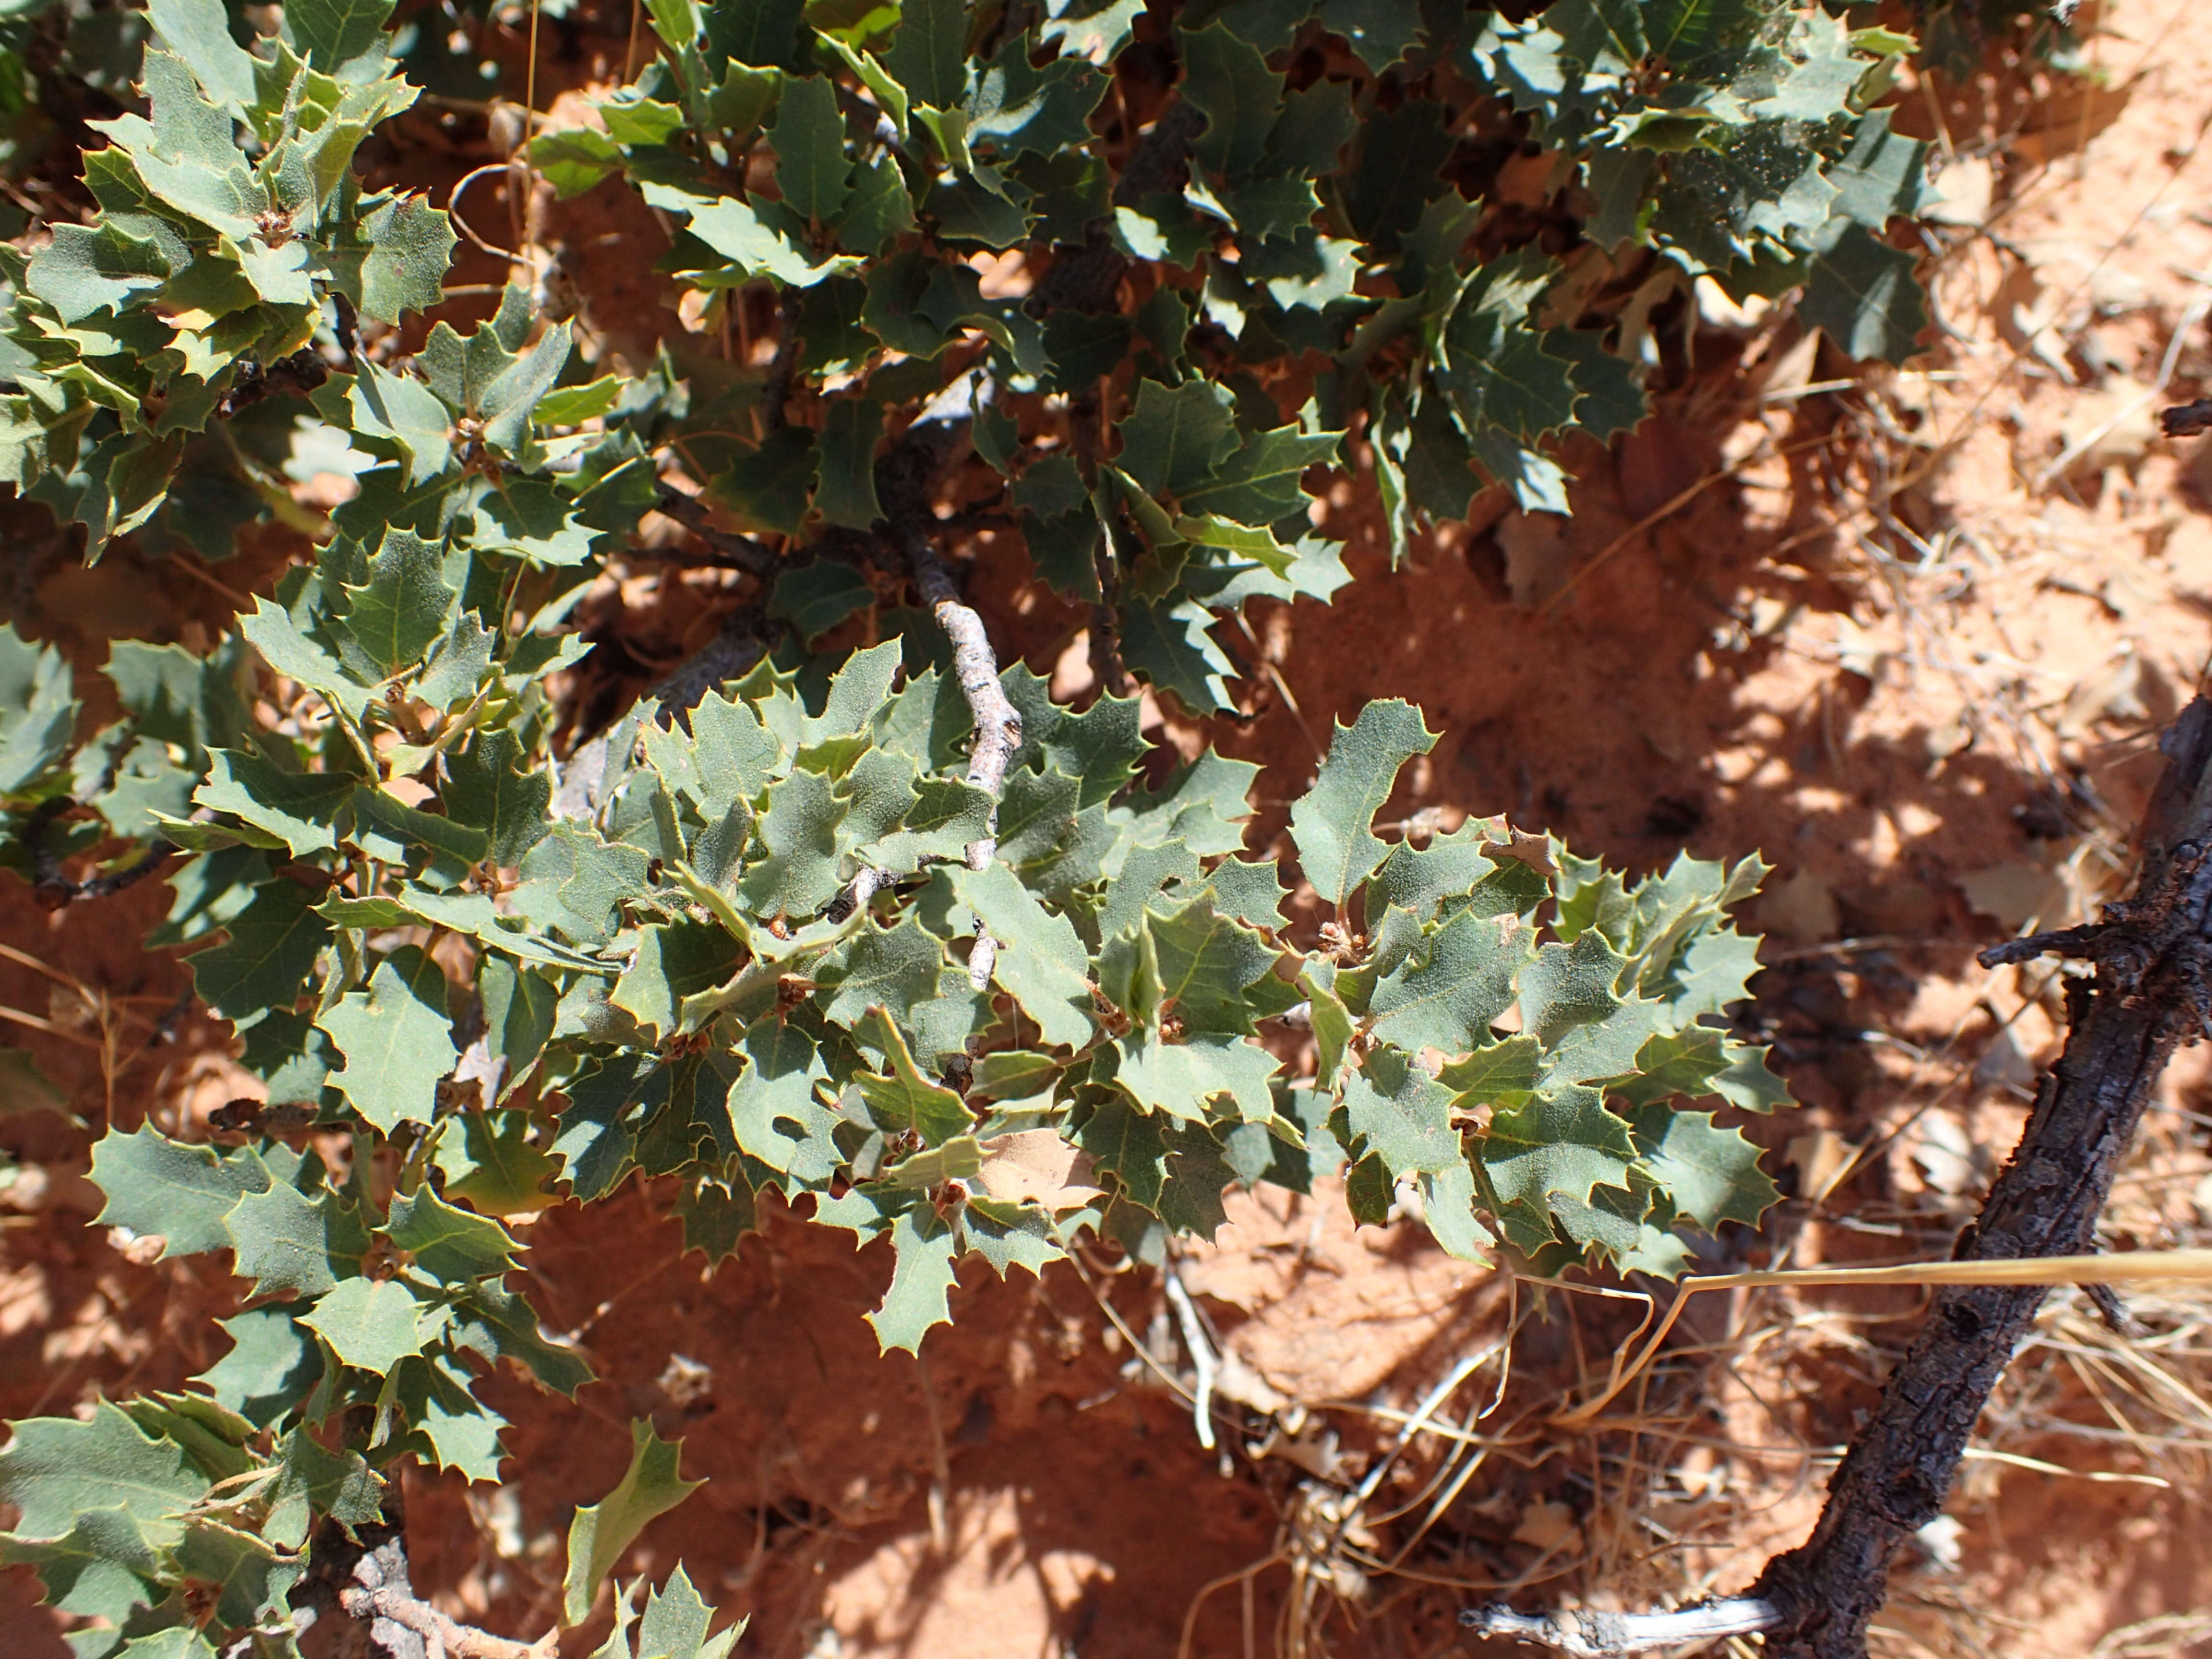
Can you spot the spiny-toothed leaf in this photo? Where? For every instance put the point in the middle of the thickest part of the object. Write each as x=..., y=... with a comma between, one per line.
x=808, y=136
x=1501, y=1073
x=176, y=1190
x=410, y=251
x=303, y=810
x=199, y=31
x=248, y=1578
x=1206, y=964
x=490, y=1162
x=600, y=1532
x=289, y=1241
x=499, y=1325
x=1570, y=985
x=1606, y=1048
x=1258, y=482
x=815, y=597
x=1182, y=1078
x=404, y=606
x=397, y=1040
x=674, y=1624
x=449, y=1425
x=446, y=1242
x=508, y=401
x=1562, y=1142
x=1445, y=995
x=1172, y=439
x=845, y=490
x=773, y=1108
x=1711, y=1174
x=489, y=787
x=904, y=1101
x=799, y=873
x=1041, y=958
x=1145, y=871
x=1403, y=1113
x=1748, y=1082
x=56, y=1468
x=1673, y=1063
x=922, y=1272
x=1865, y=296
x=333, y=34
x=675, y=961
x=37, y=712
x=314, y=1482
x=714, y=1216
x=1230, y=82
x=372, y=1324
x=894, y=968
x=929, y=52
x=1332, y=821
x=272, y=1364
x=103, y=1567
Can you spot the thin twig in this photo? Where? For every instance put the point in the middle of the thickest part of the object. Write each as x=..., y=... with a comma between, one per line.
x=1596, y=1635
x=1202, y=1356
x=738, y=552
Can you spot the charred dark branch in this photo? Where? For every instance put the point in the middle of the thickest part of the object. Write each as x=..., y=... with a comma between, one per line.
x=776, y=396
x=50, y=888
x=297, y=374
x=2147, y=997
x=731, y=549
x=2186, y=419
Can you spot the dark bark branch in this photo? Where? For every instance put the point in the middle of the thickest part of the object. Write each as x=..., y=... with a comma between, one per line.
x=776, y=394
x=2146, y=998
x=50, y=889
x=2149, y=996
x=738, y=552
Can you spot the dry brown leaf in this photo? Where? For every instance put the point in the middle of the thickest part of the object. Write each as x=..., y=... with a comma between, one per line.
x=2015, y=893
x=1821, y=1156
x=1550, y=1526
x=1037, y=1165
x=1538, y=558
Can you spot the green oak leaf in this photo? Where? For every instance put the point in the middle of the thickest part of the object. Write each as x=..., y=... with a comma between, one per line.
x=600, y=1532
x=372, y=1324
x=1332, y=823
x=397, y=1040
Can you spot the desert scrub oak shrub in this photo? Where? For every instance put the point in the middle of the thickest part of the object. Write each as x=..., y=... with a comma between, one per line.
x=840, y=907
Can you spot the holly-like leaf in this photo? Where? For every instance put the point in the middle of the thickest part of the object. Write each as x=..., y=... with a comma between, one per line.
x=397, y=1040
x=273, y=944
x=372, y=1324
x=37, y=712
x=1401, y=1113
x=448, y=1243
x=56, y=1468
x=288, y=1241
x=1332, y=823
x=600, y=1532
x=921, y=1274
x=180, y=1191
x=403, y=607
x=1452, y=986
x=1041, y=958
